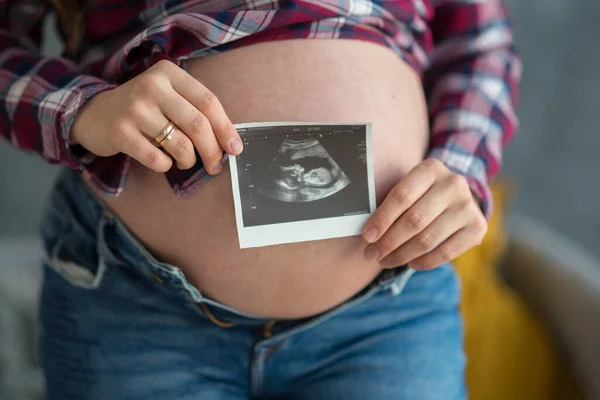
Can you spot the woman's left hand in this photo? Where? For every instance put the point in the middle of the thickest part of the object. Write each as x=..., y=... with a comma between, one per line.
x=427, y=219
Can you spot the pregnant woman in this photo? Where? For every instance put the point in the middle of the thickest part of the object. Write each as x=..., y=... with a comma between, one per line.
x=147, y=294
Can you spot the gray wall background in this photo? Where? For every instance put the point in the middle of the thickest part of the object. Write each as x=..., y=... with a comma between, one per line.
x=554, y=159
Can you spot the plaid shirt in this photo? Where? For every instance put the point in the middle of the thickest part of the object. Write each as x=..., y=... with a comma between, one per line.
x=462, y=49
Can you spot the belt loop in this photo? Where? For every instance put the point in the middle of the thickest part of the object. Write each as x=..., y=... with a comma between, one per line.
x=105, y=219
x=102, y=245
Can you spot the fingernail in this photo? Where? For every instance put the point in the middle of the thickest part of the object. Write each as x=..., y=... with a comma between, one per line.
x=217, y=167
x=372, y=253
x=235, y=145
x=370, y=235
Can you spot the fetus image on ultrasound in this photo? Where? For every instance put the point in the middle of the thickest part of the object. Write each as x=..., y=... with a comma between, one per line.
x=302, y=171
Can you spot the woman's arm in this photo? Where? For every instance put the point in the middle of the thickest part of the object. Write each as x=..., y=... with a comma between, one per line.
x=42, y=110
x=39, y=96
x=472, y=88
x=435, y=213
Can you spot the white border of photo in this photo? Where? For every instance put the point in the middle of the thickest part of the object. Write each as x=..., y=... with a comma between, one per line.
x=308, y=230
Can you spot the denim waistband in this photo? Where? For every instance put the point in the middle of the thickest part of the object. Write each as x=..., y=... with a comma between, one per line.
x=73, y=208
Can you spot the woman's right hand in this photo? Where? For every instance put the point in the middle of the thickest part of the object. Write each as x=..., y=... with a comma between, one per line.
x=127, y=118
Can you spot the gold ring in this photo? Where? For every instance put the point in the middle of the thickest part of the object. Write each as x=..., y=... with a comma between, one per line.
x=169, y=137
x=165, y=134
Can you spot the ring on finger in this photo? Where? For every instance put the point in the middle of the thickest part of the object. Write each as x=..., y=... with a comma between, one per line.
x=166, y=139
x=166, y=134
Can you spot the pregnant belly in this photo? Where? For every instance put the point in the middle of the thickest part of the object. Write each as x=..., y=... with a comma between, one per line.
x=303, y=80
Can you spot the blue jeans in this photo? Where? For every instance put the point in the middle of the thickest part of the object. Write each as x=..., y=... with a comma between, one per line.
x=118, y=324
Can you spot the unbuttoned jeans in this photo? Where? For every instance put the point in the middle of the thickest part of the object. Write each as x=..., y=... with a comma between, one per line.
x=118, y=324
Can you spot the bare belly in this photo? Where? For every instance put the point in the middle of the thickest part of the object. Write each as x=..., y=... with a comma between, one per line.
x=303, y=80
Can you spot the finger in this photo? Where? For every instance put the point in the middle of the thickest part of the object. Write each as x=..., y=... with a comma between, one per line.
x=208, y=104
x=414, y=185
x=181, y=148
x=411, y=223
x=444, y=226
x=196, y=126
x=454, y=246
x=136, y=145
x=151, y=121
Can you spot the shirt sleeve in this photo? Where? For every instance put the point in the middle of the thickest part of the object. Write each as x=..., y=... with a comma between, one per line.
x=472, y=90
x=39, y=96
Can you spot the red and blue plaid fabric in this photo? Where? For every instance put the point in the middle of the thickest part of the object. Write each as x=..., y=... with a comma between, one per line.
x=462, y=49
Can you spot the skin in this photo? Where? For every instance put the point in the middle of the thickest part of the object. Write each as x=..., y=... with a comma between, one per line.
x=413, y=226
x=124, y=118
x=426, y=214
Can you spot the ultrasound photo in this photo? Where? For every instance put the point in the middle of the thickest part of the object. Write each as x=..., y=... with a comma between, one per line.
x=302, y=171
x=302, y=181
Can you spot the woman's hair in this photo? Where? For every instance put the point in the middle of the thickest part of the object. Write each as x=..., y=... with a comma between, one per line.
x=70, y=16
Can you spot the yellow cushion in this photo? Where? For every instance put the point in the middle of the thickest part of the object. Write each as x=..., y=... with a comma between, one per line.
x=510, y=355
